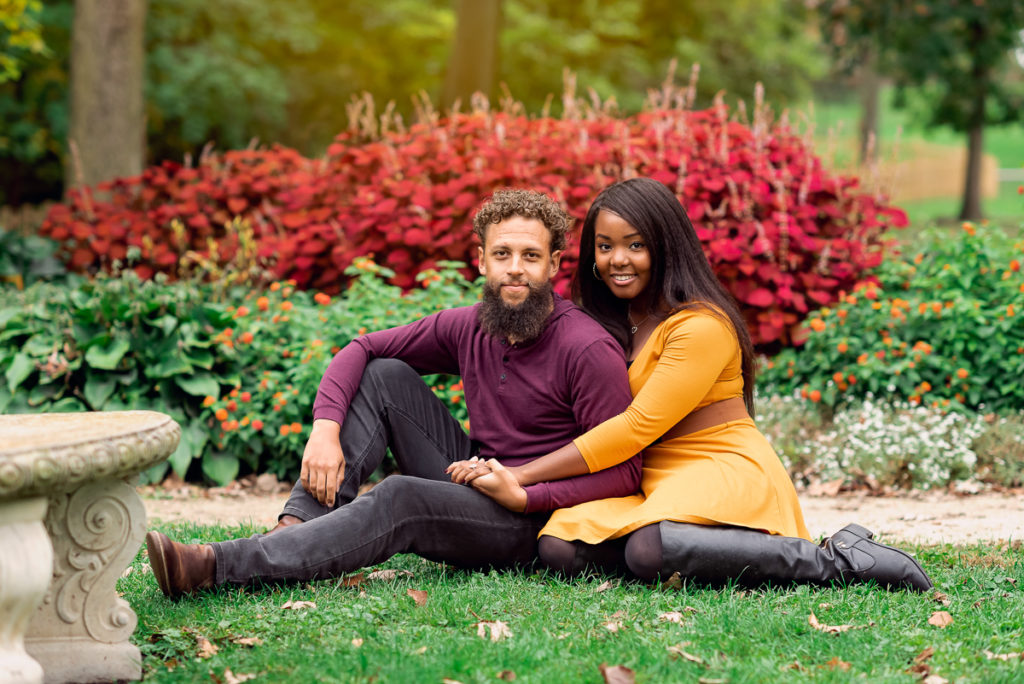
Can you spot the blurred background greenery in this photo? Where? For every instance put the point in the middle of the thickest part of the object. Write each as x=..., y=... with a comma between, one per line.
x=938, y=80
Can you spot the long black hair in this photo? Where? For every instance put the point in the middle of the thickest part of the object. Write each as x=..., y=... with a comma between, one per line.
x=678, y=266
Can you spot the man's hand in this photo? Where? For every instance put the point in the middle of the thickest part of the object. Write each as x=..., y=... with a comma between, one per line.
x=464, y=472
x=501, y=485
x=323, y=463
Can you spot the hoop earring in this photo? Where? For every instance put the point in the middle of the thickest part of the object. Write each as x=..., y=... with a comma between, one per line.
x=596, y=274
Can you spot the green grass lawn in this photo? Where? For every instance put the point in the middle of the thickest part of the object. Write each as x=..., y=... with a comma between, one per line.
x=565, y=630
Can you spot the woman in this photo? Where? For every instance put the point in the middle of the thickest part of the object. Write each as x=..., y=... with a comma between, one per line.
x=715, y=504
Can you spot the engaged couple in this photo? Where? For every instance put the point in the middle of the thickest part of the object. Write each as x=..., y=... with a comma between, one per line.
x=615, y=434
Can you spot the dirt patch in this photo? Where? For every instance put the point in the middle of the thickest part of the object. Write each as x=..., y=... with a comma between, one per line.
x=927, y=518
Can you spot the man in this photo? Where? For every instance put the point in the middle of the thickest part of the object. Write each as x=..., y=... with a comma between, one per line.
x=537, y=373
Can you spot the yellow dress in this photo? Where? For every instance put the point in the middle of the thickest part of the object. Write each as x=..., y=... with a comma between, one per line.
x=727, y=474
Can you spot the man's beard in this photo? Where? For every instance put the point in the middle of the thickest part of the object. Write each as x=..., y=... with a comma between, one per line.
x=520, y=322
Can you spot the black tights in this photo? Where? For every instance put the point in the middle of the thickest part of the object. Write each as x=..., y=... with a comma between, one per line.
x=639, y=551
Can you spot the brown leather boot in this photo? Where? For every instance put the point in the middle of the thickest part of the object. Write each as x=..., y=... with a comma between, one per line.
x=180, y=569
x=286, y=521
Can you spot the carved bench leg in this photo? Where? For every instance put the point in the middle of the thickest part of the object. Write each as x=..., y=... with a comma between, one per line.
x=80, y=632
x=25, y=565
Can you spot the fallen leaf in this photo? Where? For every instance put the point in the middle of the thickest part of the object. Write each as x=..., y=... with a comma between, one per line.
x=673, y=582
x=828, y=629
x=613, y=626
x=941, y=619
x=357, y=642
x=604, y=586
x=794, y=666
x=837, y=664
x=127, y=571
x=678, y=652
x=445, y=680
x=1011, y=580
x=617, y=614
x=232, y=678
x=352, y=580
x=940, y=598
x=206, y=649
x=298, y=605
x=499, y=630
x=709, y=680
x=247, y=641
x=934, y=679
x=674, y=616
x=417, y=595
x=507, y=675
x=924, y=655
x=824, y=606
x=387, y=575
x=420, y=651
x=617, y=674
x=1003, y=656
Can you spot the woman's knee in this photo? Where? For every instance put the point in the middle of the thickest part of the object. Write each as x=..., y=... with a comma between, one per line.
x=643, y=552
x=557, y=554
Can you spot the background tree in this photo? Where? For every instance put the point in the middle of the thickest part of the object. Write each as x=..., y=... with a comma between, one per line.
x=952, y=55
x=474, y=56
x=106, y=135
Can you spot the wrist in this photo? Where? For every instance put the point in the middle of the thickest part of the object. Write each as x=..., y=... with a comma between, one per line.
x=325, y=426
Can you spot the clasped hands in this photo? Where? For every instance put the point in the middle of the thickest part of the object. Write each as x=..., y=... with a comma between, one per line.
x=491, y=478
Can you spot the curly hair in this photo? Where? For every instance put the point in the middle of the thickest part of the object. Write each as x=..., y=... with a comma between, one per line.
x=528, y=204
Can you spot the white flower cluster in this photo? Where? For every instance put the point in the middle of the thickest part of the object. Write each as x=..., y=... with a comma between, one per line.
x=884, y=444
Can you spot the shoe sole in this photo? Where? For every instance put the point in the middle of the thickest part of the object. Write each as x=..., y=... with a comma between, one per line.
x=158, y=562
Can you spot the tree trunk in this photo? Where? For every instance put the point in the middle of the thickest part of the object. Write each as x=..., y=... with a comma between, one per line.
x=106, y=133
x=474, y=57
x=869, y=89
x=970, y=210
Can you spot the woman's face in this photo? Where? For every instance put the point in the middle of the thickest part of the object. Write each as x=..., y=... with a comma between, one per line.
x=621, y=256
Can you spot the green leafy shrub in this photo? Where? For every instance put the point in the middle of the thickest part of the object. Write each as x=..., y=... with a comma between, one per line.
x=28, y=258
x=217, y=367
x=942, y=328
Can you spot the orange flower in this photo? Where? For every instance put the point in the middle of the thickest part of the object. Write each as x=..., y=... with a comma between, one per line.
x=245, y=338
x=871, y=293
x=322, y=298
x=851, y=299
x=286, y=306
x=914, y=399
x=1010, y=311
x=962, y=373
x=968, y=228
x=245, y=420
x=815, y=396
x=841, y=314
x=862, y=359
x=209, y=401
x=274, y=287
x=837, y=377
x=242, y=311
x=817, y=324
x=296, y=428
x=257, y=424
x=852, y=379
x=316, y=343
x=221, y=414
x=880, y=354
x=1015, y=265
x=285, y=429
x=926, y=387
x=937, y=307
x=232, y=405
x=246, y=397
x=456, y=399
x=361, y=331
x=225, y=426
x=227, y=332
x=233, y=394
x=262, y=303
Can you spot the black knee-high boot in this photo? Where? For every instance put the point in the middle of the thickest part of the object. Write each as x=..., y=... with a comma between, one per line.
x=718, y=555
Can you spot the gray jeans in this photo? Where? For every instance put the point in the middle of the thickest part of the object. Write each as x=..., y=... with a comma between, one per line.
x=420, y=511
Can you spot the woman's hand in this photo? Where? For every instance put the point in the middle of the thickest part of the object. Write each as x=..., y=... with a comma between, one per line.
x=502, y=486
x=464, y=472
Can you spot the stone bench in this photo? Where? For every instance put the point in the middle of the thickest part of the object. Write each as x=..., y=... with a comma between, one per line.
x=70, y=523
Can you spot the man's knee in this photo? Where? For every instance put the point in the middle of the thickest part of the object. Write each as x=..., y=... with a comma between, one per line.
x=388, y=372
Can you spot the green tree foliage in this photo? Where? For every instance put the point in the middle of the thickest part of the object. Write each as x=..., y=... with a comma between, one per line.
x=229, y=71
x=953, y=58
x=20, y=33
x=623, y=52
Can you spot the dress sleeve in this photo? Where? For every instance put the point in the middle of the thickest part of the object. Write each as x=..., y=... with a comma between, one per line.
x=426, y=345
x=697, y=348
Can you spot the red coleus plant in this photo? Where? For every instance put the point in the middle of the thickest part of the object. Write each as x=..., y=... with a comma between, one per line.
x=783, y=234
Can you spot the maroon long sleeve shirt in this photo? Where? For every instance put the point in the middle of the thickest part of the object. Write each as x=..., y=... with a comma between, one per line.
x=524, y=400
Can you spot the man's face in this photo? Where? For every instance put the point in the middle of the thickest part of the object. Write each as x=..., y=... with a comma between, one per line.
x=517, y=252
